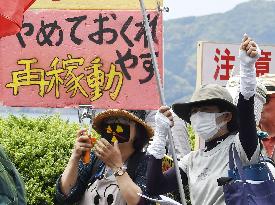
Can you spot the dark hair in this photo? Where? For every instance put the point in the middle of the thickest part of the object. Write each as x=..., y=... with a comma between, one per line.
x=141, y=114
x=233, y=124
x=141, y=138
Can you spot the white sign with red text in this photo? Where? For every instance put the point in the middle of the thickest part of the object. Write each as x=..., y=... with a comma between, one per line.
x=216, y=61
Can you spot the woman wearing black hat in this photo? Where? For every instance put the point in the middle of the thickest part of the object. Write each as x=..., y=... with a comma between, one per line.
x=214, y=118
x=117, y=169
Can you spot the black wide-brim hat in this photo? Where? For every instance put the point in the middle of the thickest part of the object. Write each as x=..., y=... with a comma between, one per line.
x=210, y=94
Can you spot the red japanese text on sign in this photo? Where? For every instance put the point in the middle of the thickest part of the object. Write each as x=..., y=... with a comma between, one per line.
x=217, y=61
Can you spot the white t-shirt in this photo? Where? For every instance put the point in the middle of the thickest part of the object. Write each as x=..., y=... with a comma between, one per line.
x=204, y=168
x=103, y=191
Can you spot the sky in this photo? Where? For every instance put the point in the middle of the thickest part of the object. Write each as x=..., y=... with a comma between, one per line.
x=183, y=8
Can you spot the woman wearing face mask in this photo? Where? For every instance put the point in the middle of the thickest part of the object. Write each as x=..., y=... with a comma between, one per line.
x=117, y=168
x=214, y=118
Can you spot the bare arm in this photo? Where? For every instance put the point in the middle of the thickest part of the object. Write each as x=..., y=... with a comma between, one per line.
x=70, y=174
x=111, y=156
x=128, y=189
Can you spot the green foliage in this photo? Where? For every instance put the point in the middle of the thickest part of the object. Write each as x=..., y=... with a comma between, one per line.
x=192, y=139
x=192, y=142
x=40, y=149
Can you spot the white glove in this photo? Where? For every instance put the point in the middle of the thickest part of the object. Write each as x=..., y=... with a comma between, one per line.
x=157, y=147
x=248, y=73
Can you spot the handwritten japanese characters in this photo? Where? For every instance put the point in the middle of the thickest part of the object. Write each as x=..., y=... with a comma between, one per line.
x=71, y=57
x=95, y=78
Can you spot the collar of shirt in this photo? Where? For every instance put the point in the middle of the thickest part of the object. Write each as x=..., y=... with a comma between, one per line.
x=213, y=143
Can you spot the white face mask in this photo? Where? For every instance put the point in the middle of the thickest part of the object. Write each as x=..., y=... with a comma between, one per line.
x=204, y=124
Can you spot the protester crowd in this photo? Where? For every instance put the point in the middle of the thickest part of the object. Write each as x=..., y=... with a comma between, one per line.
x=229, y=120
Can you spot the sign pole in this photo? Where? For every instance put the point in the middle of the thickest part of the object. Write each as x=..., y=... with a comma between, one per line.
x=162, y=99
x=87, y=112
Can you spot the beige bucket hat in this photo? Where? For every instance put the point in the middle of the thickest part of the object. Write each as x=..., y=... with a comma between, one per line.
x=210, y=94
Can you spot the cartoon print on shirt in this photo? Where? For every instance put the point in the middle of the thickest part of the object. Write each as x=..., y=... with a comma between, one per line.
x=107, y=196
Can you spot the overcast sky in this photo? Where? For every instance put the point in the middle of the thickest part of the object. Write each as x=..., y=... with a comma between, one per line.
x=183, y=8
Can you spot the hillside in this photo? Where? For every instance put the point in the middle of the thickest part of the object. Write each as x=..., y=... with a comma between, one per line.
x=255, y=17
